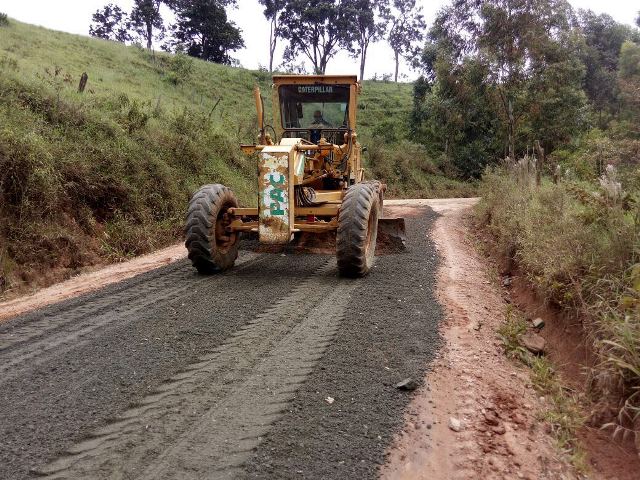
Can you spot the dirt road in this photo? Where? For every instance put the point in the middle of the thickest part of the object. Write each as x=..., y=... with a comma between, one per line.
x=277, y=368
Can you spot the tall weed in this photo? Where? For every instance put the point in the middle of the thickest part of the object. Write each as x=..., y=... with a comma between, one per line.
x=578, y=243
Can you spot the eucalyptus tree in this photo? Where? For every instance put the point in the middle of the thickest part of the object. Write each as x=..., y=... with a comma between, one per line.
x=369, y=20
x=146, y=21
x=110, y=23
x=316, y=30
x=272, y=11
x=406, y=30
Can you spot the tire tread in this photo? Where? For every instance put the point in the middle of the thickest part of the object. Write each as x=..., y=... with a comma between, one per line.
x=202, y=213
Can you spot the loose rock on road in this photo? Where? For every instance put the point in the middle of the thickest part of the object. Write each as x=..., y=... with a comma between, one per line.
x=173, y=375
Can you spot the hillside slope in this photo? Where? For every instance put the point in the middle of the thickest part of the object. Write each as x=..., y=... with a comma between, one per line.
x=106, y=174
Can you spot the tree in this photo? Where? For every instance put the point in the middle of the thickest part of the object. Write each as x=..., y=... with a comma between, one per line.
x=554, y=106
x=315, y=28
x=499, y=75
x=203, y=31
x=516, y=39
x=629, y=82
x=369, y=20
x=511, y=35
x=272, y=10
x=406, y=29
x=456, y=116
x=110, y=23
x=145, y=18
x=603, y=38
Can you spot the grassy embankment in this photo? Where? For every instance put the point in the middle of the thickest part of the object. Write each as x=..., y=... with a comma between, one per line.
x=578, y=241
x=106, y=174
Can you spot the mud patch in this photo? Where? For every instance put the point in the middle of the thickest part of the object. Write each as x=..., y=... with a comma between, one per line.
x=403, y=210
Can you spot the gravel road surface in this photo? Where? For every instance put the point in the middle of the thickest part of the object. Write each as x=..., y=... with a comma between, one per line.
x=275, y=369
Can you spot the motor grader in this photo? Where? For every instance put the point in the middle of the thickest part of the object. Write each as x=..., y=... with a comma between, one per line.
x=310, y=181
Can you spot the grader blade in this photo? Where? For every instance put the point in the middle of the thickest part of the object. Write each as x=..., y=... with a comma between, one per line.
x=391, y=235
x=391, y=239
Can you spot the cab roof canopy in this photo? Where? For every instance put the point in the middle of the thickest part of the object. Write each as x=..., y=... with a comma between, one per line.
x=314, y=79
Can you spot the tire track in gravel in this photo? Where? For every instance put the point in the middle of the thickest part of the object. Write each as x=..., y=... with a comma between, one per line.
x=32, y=337
x=390, y=333
x=207, y=419
x=49, y=406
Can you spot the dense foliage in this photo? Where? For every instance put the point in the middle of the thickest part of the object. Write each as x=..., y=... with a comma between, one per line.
x=203, y=31
x=499, y=76
x=201, y=28
x=110, y=23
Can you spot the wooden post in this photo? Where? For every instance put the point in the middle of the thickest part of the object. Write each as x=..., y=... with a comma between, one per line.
x=83, y=82
x=512, y=121
x=539, y=162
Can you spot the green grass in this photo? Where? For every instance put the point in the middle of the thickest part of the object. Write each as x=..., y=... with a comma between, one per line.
x=144, y=77
x=106, y=174
x=563, y=413
x=509, y=333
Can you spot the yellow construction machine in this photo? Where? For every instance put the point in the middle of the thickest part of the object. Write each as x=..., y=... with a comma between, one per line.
x=310, y=181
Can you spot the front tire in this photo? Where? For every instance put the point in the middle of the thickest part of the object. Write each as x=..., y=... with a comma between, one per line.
x=377, y=186
x=211, y=249
x=357, y=230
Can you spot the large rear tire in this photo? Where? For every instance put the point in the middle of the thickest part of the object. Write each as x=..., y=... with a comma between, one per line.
x=357, y=230
x=211, y=249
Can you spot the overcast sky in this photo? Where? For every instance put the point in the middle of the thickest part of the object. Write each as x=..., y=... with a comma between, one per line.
x=75, y=15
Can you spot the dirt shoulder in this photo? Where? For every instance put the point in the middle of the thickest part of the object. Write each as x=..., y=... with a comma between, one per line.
x=472, y=383
x=91, y=281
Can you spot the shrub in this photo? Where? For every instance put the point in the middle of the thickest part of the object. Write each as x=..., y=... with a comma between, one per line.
x=409, y=172
x=9, y=63
x=136, y=117
x=4, y=20
x=388, y=131
x=181, y=68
